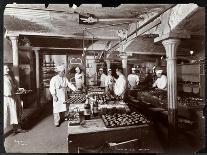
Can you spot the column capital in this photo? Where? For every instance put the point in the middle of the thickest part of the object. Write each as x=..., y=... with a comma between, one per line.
x=171, y=41
x=171, y=45
x=36, y=49
x=13, y=38
x=123, y=55
x=172, y=35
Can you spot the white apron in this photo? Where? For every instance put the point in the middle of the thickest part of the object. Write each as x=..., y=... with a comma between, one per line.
x=58, y=87
x=10, y=104
x=79, y=80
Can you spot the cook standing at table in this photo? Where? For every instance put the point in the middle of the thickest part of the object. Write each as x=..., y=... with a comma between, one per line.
x=133, y=79
x=102, y=77
x=109, y=82
x=120, y=84
x=161, y=81
x=58, y=90
x=79, y=78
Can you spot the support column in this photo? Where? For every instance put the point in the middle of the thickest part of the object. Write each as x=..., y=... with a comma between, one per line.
x=124, y=57
x=171, y=47
x=108, y=63
x=37, y=58
x=14, y=40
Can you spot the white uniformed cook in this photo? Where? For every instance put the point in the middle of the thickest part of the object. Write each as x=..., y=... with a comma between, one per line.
x=10, y=103
x=79, y=78
x=161, y=81
x=133, y=79
x=120, y=85
x=58, y=90
x=10, y=107
x=102, y=78
x=109, y=81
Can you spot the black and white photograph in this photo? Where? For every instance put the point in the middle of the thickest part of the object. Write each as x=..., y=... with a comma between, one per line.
x=90, y=78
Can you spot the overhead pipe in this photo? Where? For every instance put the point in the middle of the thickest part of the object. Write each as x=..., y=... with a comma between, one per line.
x=117, y=19
x=149, y=21
x=108, y=25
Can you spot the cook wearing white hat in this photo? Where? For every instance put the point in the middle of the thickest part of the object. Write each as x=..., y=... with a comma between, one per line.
x=79, y=78
x=102, y=78
x=109, y=81
x=60, y=68
x=159, y=71
x=161, y=81
x=77, y=69
x=133, y=79
x=58, y=85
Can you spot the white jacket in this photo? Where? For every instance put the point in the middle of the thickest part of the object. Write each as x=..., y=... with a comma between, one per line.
x=10, y=104
x=102, y=79
x=120, y=86
x=161, y=82
x=79, y=80
x=58, y=87
x=133, y=80
x=109, y=80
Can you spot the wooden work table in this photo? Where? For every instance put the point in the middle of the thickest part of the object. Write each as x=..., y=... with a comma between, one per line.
x=94, y=133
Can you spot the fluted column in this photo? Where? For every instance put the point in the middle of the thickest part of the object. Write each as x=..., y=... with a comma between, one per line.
x=108, y=64
x=37, y=60
x=171, y=48
x=14, y=40
x=124, y=57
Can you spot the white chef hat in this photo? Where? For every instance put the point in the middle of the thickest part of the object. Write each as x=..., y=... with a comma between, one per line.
x=60, y=68
x=109, y=69
x=77, y=68
x=159, y=71
x=101, y=69
x=133, y=69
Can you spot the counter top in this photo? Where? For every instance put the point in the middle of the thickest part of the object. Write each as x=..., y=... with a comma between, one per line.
x=97, y=125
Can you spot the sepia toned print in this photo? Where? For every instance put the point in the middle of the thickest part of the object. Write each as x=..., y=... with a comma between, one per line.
x=95, y=79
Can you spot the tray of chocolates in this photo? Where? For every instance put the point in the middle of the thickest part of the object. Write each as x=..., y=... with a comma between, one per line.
x=122, y=120
x=76, y=98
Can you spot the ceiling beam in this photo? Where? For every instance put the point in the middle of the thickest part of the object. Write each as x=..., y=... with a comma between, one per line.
x=60, y=36
x=172, y=20
x=145, y=53
x=146, y=25
x=55, y=48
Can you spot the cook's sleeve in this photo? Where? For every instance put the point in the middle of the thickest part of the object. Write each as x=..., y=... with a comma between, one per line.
x=83, y=78
x=106, y=81
x=70, y=85
x=137, y=80
x=52, y=87
x=7, y=88
x=120, y=87
x=163, y=82
x=155, y=83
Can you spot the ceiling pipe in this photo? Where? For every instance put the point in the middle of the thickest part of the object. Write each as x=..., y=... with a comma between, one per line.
x=149, y=21
x=118, y=19
x=108, y=25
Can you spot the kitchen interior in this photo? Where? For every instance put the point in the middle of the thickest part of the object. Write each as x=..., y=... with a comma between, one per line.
x=145, y=37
